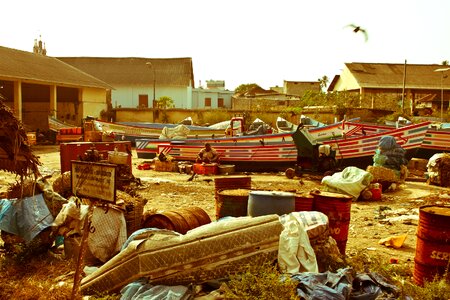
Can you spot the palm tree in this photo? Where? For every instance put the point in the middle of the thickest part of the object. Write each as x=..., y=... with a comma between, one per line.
x=323, y=82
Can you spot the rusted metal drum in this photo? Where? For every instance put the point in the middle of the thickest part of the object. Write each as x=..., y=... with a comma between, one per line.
x=231, y=182
x=180, y=220
x=337, y=208
x=262, y=203
x=232, y=202
x=433, y=243
x=304, y=202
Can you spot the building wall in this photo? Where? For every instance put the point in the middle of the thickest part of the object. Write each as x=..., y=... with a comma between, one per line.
x=346, y=82
x=263, y=104
x=92, y=103
x=199, y=96
x=128, y=96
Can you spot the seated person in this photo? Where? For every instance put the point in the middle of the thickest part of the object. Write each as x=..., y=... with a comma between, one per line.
x=207, y=155
x=391, y=155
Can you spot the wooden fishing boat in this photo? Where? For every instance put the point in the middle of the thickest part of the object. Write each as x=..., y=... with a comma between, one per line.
x=436, y=139
x=148, y=148
x=359, y=150
x=280, y=151
x=131, y=132
x=55, y=124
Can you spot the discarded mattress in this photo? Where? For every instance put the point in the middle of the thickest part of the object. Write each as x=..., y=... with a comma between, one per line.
x=204, y=253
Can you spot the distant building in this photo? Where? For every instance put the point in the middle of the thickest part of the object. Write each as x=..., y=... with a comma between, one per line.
x=39, y=47
x=378, y=83
x=259, y=98
x=214, y=96
x=36, y=86
x=138, y=81
x=215, y=84
x=299, y=88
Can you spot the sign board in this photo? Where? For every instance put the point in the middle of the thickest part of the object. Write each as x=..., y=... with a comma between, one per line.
x=95, y=180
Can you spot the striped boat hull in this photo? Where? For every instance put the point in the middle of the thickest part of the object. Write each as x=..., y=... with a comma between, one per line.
x=409, y=137
x=435, y=141
x=148, y=148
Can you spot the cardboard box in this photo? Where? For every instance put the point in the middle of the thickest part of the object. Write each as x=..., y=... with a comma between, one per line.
x=165, y=166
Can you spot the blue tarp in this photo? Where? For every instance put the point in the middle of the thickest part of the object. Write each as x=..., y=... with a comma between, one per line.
x=25, y=217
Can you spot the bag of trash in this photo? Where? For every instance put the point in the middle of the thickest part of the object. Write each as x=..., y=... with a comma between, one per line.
x=351, y=181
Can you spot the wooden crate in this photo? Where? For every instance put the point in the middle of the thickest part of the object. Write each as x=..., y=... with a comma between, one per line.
x=165, y=166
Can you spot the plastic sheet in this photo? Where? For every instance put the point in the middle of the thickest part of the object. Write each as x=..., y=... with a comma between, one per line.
x=295, y=252
x=351, y=181
x=25, y=217
x=342, y=285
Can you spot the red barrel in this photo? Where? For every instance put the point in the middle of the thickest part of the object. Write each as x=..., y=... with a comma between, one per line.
x=433, y=243
x=232, y=203
x=337, y=208
x=181, y=220
x=232, y=182
x=304, y=202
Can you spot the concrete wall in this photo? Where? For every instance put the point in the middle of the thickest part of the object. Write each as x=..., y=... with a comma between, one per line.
x=128, y=96
x=93, y=102
x=203, y=117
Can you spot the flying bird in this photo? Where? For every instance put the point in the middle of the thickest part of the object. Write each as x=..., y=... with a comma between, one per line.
x=357, y=29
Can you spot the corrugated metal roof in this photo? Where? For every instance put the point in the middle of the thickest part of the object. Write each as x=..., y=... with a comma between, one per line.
x=379, y=75
x=23, y=65
x=134, y=70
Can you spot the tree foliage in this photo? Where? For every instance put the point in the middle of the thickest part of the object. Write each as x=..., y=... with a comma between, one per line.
x=165, y=102
x=243, y=88
x=323, y=82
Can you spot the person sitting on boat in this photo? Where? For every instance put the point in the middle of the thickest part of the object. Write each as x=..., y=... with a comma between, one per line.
x=207, y=155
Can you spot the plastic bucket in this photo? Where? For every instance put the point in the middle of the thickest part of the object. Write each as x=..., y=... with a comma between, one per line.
x=337, y=208
x=181, y=220
x=433, y=243
x=304, y=202
x=232, y=202
x=262, y=203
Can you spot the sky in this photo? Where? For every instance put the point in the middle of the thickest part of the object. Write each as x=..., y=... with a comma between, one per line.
x=238, y=41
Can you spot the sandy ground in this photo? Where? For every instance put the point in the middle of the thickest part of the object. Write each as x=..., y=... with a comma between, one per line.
x=172, y=191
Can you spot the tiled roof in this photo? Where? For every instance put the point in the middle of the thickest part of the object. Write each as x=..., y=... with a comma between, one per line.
x=134, y=70
x=23, y=65
x=300, y=87
x=379, y=75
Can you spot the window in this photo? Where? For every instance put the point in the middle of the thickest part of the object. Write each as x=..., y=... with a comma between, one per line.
x=220, y=102
x=143, y=100
x=207, y=102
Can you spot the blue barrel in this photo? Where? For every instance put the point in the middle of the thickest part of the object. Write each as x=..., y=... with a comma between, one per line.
x=262, y=203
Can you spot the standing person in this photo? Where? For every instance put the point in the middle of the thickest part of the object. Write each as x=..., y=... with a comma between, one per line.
x=207, y=155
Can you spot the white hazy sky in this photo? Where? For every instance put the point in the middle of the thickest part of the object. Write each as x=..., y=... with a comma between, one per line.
x=239, y=41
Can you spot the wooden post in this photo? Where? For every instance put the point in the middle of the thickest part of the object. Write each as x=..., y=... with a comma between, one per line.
x=82, y=251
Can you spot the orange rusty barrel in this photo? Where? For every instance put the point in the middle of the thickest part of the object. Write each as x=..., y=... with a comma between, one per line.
x=337, y=208
x=232, y=202
x=433, y=243
x=304, y=202
x=181, y=220
x=231, y=182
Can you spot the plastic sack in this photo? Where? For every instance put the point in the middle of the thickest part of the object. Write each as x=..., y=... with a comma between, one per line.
x=178, y=132
x=295, y=253
x=141, y=289
x=351, y=181
x=25, y=217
